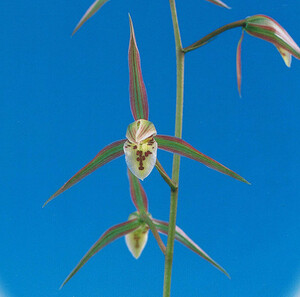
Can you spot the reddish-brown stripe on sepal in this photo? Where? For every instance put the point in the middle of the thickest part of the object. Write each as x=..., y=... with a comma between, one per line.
x=181, y=147
x=239, y=64
x=107, y=154
x=219, y=3
x=89, y=13
x=107, y=237
x=138, y=95
x=137, y=192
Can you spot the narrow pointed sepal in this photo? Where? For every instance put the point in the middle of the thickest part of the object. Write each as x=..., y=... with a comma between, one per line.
x=219, y=3
x=137, y=239
x=137, y=89
x=181, y=147
x=188, y=242
x=140, y=149
x=89, y=13
x=137, y=193
x=110, y=235
x=239, y=64
x=266, y=28
x=106, y=155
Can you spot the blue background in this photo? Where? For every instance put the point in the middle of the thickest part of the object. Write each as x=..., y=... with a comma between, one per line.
x=63, y=99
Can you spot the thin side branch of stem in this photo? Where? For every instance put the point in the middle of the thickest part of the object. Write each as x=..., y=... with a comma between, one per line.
x=213, y=34
x=165, y=176
x=153, y=229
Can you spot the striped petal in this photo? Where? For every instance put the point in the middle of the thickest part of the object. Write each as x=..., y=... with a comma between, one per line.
x=141, y=158
x=106, y=155
x=137, y=90
x=219, y=3
x=268, y=29
x=185, y=240
x=110, y=235
x=139, y=131
x=181, y=147
x=89, y=13
x=137, y=239
x=137, y=192
x=239, y=64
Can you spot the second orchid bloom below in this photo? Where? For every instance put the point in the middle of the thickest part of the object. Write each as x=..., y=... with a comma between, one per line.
x=140, y=147
x=136, y=231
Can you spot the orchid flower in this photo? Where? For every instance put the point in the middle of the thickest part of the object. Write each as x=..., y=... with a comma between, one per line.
x=99, y=3
x=266, y=28
x=136, y=231
x=140, y=147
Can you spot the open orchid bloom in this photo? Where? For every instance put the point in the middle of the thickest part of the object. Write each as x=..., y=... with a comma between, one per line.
x=99, y=3
x=268, y=29
x=140, y=147
x=136, y=231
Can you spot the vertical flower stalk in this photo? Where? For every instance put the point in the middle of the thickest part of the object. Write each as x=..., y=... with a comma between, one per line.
x=176, y=158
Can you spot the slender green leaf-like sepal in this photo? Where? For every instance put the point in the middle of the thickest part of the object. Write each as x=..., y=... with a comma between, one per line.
x=137, y=89
x=268, y=29
x=239, y=64
x=110, y=235
x=181, y=147
x=89, y=13
x=106, y=155
x=137, y=192
x=185, y=240
x=219, y=3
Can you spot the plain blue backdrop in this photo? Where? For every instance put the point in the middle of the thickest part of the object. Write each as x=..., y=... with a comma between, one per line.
x=64, y=98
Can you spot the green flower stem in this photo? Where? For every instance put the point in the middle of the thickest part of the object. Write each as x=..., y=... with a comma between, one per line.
x=213, y=34
x=176, y=158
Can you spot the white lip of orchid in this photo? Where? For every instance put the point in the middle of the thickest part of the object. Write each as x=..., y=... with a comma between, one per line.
x=137, y=239
x=141, y=148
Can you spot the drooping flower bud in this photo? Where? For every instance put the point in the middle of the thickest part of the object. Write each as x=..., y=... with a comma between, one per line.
x=137, y=239
x=140, y=149
x=266, y=28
